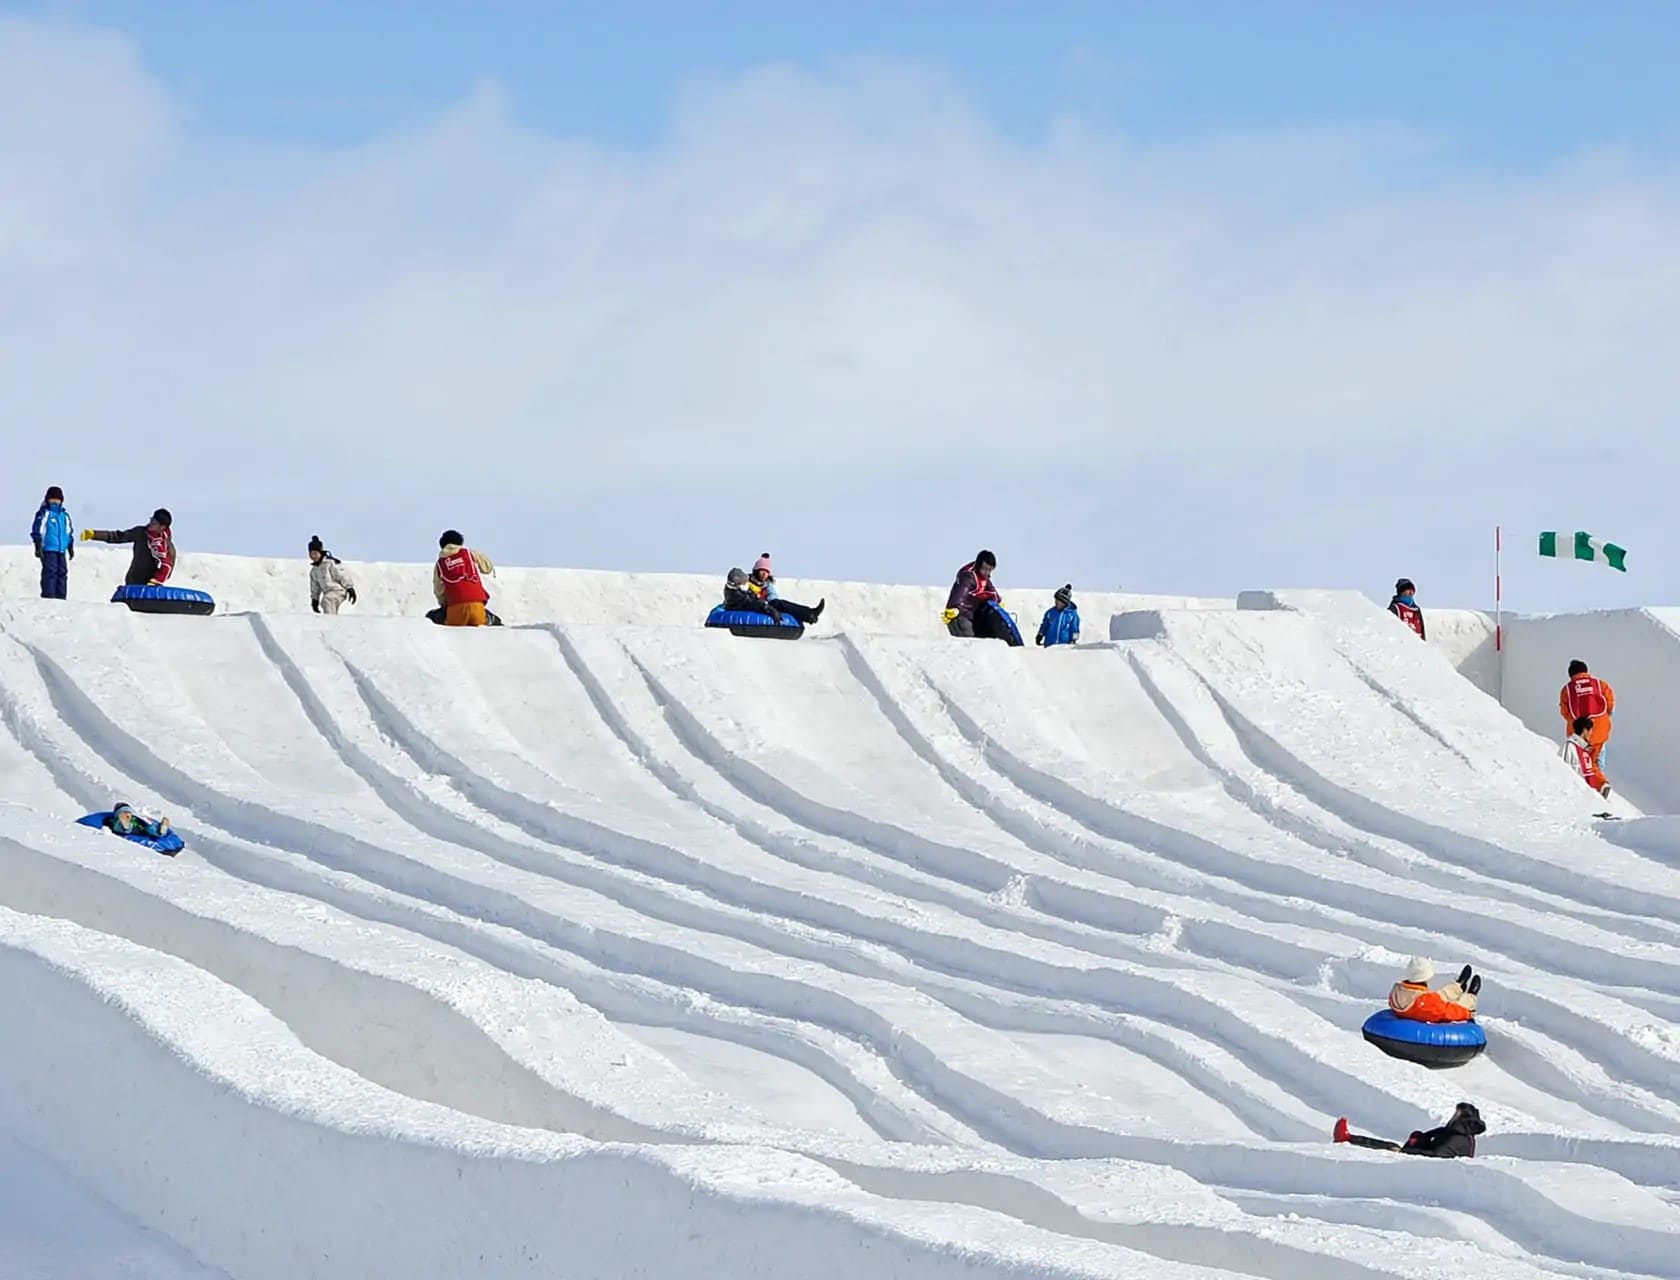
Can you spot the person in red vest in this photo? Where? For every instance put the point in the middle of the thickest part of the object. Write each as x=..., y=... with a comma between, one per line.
x=1588, y=697
x=1405, y=606
x=458, y=582
x=1578, y=755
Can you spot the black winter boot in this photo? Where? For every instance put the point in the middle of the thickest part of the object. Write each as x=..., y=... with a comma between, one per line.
x=1464, y=976
x=1475, y=987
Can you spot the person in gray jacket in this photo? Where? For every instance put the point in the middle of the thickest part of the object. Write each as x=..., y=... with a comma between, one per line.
x=329, y=584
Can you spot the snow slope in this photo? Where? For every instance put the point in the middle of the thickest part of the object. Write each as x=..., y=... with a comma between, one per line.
x=611, y=947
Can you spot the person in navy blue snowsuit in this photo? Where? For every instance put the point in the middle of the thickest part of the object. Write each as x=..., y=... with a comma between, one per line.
x=54, y=536
x=1061, y=620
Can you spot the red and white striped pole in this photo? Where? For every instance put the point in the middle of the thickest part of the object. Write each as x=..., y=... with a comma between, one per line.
x=1499, y=611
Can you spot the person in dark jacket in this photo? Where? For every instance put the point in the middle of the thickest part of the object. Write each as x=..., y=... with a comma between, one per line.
x=972, y=589
x=738, y=594
x=1457, y=1137
x=1405, y=606
x=1061, y=620
x=54, y=536
x=154, y=548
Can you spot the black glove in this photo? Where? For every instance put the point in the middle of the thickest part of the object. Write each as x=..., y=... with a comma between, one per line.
x=37, y=551
x=350, y=594
x=72, y=553
x=1039, y=638
x=315, y=606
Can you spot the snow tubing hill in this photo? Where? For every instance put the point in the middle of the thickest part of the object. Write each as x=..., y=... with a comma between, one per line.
x=169, y=844
x=145, y=599
x=1432, y=1044
x=744, y=622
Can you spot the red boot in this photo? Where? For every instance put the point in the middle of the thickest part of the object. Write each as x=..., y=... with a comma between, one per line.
x=1340, y=1133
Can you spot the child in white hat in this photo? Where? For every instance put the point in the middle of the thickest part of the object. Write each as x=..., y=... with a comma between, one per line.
x=1455, y=1002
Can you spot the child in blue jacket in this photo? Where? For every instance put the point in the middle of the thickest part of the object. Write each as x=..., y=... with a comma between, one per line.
x=54, y=536
x=1061, y=620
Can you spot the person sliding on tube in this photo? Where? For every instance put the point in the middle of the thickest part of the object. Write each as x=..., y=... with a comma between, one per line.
x=458, y=582
x=123, y=821
x=154, y=549
x=1578, y=754
x=1457, y=1137
x=1589, y=698
x=762, y=585
x=1455, y=1002
x=1405, y=606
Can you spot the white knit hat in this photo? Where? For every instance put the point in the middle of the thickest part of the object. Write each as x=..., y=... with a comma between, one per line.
x=1419, y=970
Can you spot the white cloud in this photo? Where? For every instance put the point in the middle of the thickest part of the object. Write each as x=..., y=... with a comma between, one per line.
x=845, y=269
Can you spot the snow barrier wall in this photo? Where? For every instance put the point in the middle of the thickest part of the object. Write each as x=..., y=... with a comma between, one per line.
x=137, y=1071
x=1636, y=650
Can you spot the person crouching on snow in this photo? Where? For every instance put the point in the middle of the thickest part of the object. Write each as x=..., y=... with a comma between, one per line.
x=762, y=584
x=1578, y=753
x=458, y=582
x=1455, y=1002
x=329, y=584
x=154, y=548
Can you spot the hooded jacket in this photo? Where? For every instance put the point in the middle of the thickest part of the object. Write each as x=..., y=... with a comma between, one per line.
x=1457, y=1137
x=53, y=530
x=328, y=578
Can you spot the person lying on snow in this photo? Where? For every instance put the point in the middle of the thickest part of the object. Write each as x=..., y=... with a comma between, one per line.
x=1061, y=620
x=123, y=821
x=154, y=548
x=762, y=584
x=329, y=584
x=1578, y=753
x=54, y=536
x=1457, y=1137
x=1455, y=1002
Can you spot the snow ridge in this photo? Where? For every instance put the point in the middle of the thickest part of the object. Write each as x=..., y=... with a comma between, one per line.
x=608, y=948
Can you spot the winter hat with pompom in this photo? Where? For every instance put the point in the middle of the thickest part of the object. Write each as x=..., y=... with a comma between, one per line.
x=763, y=562
x=1419, y=970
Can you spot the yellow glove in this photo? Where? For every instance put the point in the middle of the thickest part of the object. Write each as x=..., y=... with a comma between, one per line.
x=87, y=535
x=948, y=617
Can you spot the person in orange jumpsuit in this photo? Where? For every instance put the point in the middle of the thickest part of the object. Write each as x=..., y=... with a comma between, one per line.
x=1588, y=697
x=1455, y=1002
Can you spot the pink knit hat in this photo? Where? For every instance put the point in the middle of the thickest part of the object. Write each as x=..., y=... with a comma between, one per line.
x=763, y=562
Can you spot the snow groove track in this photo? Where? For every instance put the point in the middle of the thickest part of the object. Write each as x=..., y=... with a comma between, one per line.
x=645, y=951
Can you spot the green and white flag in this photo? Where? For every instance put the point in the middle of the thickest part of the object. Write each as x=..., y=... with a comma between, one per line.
x=1583, y=546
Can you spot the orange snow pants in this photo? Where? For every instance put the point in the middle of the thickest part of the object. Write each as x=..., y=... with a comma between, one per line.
x=464, y=615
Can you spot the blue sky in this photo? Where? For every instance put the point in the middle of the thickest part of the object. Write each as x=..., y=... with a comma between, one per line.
x=1188, y=297
x=1513, y=83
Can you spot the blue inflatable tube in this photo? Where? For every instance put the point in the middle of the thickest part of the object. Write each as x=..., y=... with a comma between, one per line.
x=993, y=622
x=168, y=844
x=1433, y=1044
x=764, y=626
x=144, y=599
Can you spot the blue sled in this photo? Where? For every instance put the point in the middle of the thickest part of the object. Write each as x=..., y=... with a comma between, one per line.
x=1432, y=1044
x=144, y=599
x=744, y=622
x=994, y=622
x=169, y=844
